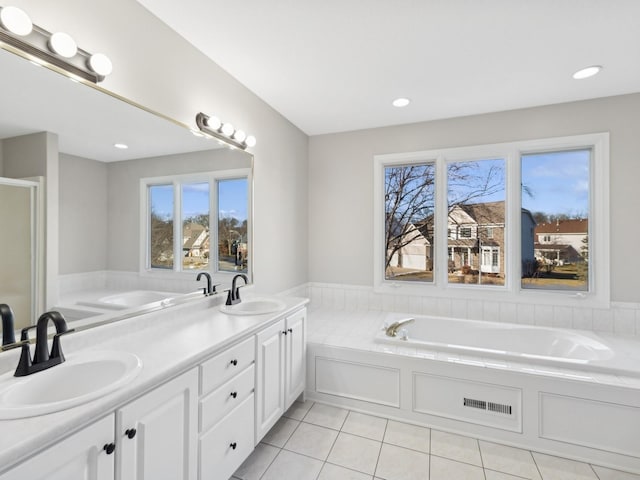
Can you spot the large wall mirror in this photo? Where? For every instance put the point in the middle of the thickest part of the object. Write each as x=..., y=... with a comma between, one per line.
x=98, y=231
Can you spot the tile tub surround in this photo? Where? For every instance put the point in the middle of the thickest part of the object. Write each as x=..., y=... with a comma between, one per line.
x=339, y=339
x=367, y=447
x=621, y=318
x=168, y=343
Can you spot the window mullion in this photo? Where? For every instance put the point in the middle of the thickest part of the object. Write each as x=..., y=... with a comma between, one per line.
x=177, y=227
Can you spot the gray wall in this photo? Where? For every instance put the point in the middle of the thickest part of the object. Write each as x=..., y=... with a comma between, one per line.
x=83, y=214
x=160, y=70
x=341, y=179
x=32, y=156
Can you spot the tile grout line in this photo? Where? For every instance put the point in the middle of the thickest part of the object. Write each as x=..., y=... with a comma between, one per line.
x=384, y=434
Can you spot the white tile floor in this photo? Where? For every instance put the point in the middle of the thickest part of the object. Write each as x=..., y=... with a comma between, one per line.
x=320, y=442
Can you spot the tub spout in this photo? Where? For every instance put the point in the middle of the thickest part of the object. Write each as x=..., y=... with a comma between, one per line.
x=392, y=330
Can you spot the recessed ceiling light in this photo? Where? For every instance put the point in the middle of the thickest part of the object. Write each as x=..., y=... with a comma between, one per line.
x=587, y=72
x=121, y=146
x=401, y=102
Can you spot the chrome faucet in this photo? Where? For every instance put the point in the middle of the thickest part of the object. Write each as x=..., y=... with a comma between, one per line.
x=42, y=359
x=392, y=330
x=234, y=294
x=8, y=336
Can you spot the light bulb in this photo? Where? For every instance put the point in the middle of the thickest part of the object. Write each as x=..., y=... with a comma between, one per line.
x=100, y=64
x=227, y=129
x=16, y=21
x=250, y=141
x=213, y=123
x=62, y=44
x=239, y=136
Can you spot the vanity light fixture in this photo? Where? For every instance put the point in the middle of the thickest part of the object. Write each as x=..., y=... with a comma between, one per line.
x=225, y=132
x=121, y=146
x=59, y=50
x=587, y=72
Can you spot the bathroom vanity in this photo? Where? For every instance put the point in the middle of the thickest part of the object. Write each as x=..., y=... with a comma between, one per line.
x=212, y=384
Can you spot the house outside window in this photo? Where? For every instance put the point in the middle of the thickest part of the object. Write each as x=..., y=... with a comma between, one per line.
x=485, y=206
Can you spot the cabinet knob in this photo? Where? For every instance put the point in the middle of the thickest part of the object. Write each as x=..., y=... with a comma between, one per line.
x=109, y=448
x=233, y=445
x=290, y=330
x=284, y=332
x=130, y=432
x=234, y=362
x=234, y=394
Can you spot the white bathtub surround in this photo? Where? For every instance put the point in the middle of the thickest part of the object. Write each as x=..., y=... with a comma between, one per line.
x=580, y=398
x=621, y=318
x=387, y=449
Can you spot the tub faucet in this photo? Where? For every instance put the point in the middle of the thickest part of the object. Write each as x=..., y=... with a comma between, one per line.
x=42, y=359
x=234, y=294
x=392, y=330
x=8, y=336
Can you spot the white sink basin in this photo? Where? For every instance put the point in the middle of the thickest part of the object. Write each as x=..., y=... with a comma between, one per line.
x=80, y=379
x=254, y=306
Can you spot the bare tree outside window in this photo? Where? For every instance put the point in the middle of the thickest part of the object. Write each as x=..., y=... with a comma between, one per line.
x=161, y=226
x=410, y=235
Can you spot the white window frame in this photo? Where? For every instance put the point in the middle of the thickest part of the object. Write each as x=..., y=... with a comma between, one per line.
x=177, y=181
x=598, y=293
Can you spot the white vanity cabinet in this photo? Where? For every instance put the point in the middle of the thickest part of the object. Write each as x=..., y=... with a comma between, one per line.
x=81, y=456
x=156, y=434
x=227, y=406
x=280, y=365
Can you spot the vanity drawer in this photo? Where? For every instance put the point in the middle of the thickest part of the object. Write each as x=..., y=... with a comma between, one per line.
x=226, y=397
x=218, y=457
x=222, y=367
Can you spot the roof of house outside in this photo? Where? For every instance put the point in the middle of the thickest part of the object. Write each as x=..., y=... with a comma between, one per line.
x=579, y=226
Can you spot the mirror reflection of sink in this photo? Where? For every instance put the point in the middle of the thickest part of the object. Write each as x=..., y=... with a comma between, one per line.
x=81, y=378
x=254, y=306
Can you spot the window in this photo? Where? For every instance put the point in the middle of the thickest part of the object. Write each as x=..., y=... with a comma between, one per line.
x=518, y=219
x=556, y=191
x=197, y=222
x=409, y=195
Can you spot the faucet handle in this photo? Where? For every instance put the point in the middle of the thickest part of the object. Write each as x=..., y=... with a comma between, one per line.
x=56, y=349
x=24, y=333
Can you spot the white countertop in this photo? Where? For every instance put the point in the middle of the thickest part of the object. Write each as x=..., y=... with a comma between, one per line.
x=168, y=342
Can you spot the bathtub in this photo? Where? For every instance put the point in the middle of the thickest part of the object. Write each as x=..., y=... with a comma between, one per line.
x=521, y=343
x=123, y=300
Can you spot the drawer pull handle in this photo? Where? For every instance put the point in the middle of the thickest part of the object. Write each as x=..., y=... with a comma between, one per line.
x=130, y=433
x=234, y=362
x=109, y=448
x=234, y=394
x=233, y=445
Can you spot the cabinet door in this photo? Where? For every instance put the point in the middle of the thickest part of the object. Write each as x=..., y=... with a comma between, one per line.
x=164, y=444
x=78, y=457
x=270, y=360
x=296, y=356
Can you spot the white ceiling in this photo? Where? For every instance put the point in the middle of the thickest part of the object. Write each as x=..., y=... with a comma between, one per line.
x=87, y=121
x=336, y=65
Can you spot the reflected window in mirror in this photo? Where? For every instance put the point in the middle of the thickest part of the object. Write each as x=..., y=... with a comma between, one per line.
x=196, y=222
x=232, y=225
